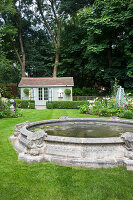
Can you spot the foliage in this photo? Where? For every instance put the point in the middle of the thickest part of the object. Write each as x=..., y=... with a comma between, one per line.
x=53, y=14
x=21, y=103
x=5, y=110
x=9, y=72
x=65, y=104
x=95, y=42
x=84, y=109
x=85, y=92
x=126, y=114
x=109, y=41
x=6, y=92
x=67, y=91
x=107, y=107
x=73, y=62
x=32, y=106
x=26, y=91
x=39, y=53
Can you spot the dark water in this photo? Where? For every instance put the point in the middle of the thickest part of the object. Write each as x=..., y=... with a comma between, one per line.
x=86, y=129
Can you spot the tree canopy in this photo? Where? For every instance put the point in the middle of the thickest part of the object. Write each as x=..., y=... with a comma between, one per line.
x=89, y=40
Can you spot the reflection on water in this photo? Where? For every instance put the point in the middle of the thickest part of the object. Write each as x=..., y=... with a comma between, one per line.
x=85, y=129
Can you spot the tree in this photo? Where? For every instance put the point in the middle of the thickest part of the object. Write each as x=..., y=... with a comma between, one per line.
x=73, y=62
x=52, y=13
x=11, y=20
x=109, y=43
x=39, y=53
x=9, y=71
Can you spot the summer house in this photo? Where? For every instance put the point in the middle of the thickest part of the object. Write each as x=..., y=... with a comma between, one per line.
x=46, y=89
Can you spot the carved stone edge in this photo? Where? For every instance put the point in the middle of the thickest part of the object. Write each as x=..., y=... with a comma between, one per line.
x=128, y=164
x=30, y=159
x=18, y=127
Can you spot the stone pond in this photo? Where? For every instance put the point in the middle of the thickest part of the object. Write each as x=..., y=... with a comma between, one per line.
x=94, y=142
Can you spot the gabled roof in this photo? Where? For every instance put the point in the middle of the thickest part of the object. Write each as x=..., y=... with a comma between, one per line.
x=41, y=81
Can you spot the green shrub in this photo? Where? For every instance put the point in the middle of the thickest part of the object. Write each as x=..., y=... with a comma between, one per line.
x=21, y=103
x=65, y=104
x=127, y=114
x=84, y=108
x=77, y=92
x=32, y=106
x=26, y=91
x=67, y=91
x=24, y=104
x=6, y=92
x=107, y=107
x=85, y=91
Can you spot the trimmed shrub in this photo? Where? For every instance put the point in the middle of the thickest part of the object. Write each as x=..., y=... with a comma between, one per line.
x=32, y=106
x=26, y=91
x=21, y=103
x=65, y=104
x=67, y=91
x=24, y=104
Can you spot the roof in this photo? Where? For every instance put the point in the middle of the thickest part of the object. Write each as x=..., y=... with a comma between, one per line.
x=41, y=81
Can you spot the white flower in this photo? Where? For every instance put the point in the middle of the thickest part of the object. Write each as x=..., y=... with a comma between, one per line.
x=91, y=101
x=90, y=106
x=12, y=101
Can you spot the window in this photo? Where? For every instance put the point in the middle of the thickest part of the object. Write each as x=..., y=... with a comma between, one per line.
x=40, y=93
x=45, y=93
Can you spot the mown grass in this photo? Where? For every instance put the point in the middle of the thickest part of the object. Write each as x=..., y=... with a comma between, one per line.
x=48, y=181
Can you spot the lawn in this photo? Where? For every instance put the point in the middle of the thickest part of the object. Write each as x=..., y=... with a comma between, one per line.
x=48, y=181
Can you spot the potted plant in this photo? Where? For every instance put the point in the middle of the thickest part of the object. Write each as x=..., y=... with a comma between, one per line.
x=67, y=91
x=26, y=91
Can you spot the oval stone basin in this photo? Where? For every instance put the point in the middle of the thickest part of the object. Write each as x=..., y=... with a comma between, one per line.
x=88, y=142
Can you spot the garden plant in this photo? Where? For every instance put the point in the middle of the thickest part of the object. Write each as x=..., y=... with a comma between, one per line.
x=107, y=107
x=6, y=111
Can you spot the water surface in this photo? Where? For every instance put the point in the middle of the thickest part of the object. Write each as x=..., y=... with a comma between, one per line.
x=85, y=129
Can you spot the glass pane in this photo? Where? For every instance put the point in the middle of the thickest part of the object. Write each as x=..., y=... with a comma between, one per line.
x=40, y=93
x=45, y=93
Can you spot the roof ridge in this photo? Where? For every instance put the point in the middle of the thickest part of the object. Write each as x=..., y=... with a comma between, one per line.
x=49, y=77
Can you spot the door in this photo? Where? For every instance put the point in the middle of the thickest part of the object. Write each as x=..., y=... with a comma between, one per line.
x=43, y=95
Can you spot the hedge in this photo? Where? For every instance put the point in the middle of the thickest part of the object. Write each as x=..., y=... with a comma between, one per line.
x=21, y=103
x=65, y=104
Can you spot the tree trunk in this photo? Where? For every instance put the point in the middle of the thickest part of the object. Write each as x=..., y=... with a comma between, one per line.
x=57, y=46
x=23, y=55
x=56, y=64
x=23, y=70
x=21, y=61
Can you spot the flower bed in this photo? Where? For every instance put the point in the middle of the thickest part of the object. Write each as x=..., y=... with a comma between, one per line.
x=6, y=111
x=107, y=107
